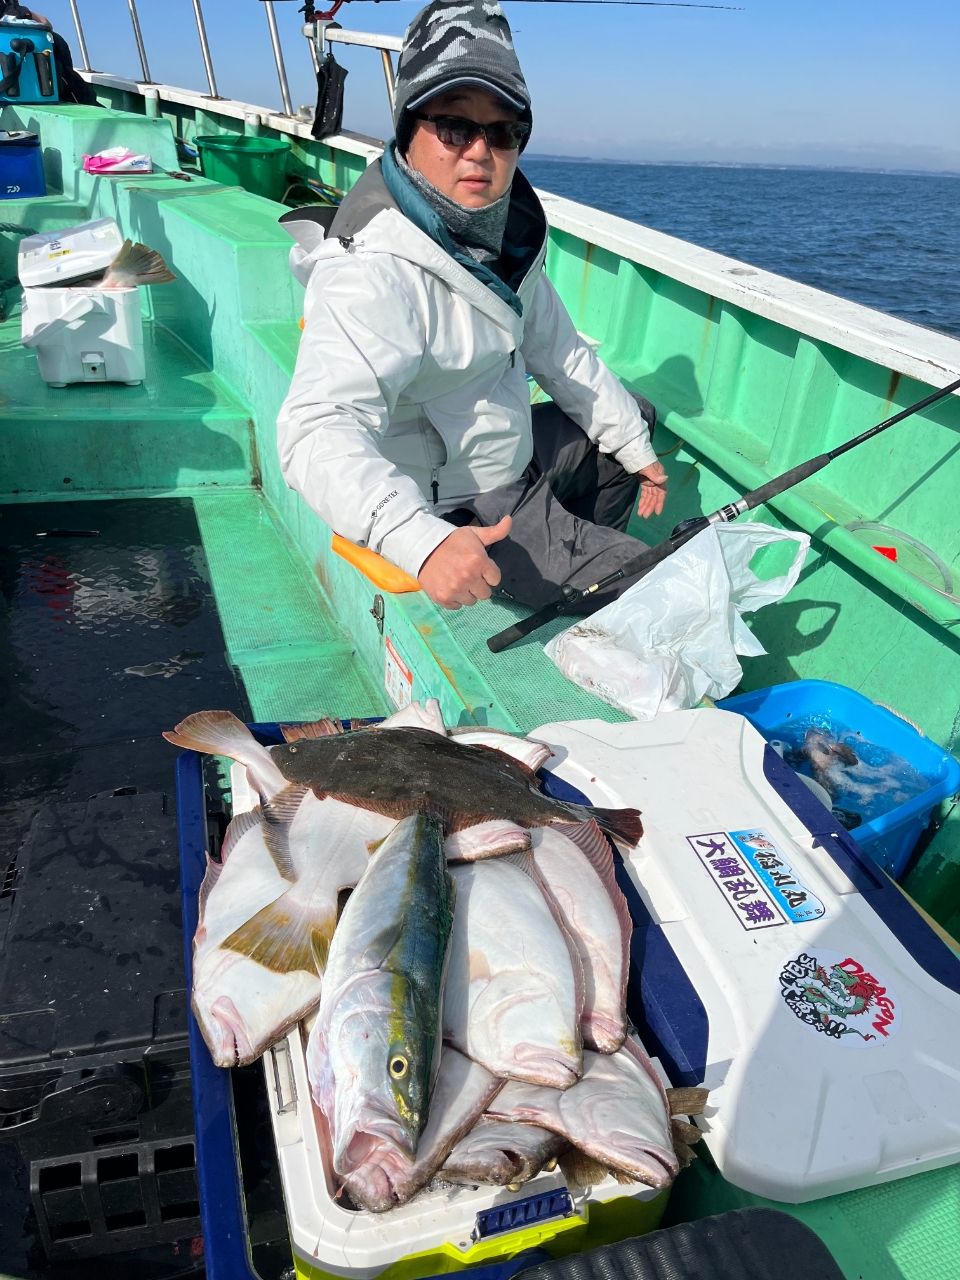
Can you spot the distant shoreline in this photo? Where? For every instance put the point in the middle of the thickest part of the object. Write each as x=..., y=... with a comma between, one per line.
x=744, y=164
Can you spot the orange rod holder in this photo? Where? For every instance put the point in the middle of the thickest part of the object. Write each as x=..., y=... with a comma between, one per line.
x=381, y=572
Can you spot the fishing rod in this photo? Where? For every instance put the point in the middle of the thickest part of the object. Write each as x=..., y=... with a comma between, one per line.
x=570, y=596
x=312, y=14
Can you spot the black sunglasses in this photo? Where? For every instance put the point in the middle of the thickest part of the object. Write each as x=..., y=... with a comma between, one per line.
x=458, y=131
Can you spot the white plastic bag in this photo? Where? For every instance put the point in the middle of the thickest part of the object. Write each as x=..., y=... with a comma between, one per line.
x=674, y=636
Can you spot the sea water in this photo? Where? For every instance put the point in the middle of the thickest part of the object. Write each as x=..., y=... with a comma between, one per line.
x=888, y=240
x=878, y=783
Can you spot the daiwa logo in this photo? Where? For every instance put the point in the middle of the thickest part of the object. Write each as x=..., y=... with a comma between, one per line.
x=838, y=996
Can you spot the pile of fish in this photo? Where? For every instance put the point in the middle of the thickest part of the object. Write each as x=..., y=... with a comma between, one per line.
x=467, y=1003
x=855, y=788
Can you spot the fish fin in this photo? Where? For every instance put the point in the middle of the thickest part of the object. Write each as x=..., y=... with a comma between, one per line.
x=684, y=1131
x=522, y=859
x=220, y=733
x=322, y=728
x=491, y=839
x=238, y=827
x=580, y=1169
x=687, y=1101
x=278, y=814
x=284, y=940
x=210, y=878
x=684, y=1136
x=136, y=264
x=622, y=824
x=595, y=846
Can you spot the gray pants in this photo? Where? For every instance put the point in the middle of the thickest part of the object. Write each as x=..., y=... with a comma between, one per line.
x=570, y=511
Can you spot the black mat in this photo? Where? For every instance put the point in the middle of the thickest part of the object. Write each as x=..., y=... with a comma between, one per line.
x=744, y=1244
x=109, y=633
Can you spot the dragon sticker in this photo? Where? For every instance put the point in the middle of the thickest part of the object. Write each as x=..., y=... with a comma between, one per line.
x=839, y=997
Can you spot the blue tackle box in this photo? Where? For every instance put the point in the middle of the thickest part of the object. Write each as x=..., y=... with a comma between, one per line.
x=891, y=837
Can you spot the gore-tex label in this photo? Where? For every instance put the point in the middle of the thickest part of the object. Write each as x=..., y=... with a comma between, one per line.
x=755, y=878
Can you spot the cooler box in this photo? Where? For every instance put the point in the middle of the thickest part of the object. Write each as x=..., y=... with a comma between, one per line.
x=889, y=838
x=774, y=962
x=771, y=960
x=85, y=335
x=439, y=1230
x=27, y=70
x=80, y=333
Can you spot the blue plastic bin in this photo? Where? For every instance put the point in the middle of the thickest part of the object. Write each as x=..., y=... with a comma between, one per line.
x=889, y=839
x=21, y=166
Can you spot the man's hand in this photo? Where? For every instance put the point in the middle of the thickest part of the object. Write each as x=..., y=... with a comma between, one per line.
x=653, y=490
x=459, y=571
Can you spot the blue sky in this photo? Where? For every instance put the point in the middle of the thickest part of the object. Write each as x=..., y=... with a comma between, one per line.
x=861, y=82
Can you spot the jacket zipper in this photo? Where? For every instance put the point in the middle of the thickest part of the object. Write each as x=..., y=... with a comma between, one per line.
x=435, y=484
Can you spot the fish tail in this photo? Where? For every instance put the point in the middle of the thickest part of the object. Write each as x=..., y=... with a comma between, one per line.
x=581, y=1170
x=284, y=938
x=220, y=733
x=136, y=264
x=621, y=824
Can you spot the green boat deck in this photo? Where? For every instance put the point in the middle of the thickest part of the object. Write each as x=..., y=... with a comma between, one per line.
x=308, y=634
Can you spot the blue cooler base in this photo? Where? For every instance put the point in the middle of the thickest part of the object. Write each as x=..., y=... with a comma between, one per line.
x=889, y=839
x=21, y=167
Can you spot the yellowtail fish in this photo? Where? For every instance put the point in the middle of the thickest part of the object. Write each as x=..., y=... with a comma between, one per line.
x=387, y=1178
x=373, y=1049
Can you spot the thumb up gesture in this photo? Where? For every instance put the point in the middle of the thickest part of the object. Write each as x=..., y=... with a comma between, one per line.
x=459, y=572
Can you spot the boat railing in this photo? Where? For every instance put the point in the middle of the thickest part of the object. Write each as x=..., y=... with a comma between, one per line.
x=318, y=33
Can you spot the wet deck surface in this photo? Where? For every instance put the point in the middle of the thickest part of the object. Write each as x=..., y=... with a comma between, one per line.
x=110, y=632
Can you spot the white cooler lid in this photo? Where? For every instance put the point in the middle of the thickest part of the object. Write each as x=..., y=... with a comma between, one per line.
x=57, y=257
x=780, y=967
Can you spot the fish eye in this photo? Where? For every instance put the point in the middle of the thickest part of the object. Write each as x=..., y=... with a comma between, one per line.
x=398, y=1066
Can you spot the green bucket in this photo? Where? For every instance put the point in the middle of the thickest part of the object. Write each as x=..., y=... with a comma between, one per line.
x=259, y=164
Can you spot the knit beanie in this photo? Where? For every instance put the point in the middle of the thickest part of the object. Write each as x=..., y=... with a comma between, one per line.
x=451, y=43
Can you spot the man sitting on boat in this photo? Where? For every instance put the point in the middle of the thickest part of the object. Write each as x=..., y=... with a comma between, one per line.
x=408, y=424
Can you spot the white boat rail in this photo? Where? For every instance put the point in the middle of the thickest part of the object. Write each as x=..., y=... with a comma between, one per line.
x=318, y=33
x=931, y=357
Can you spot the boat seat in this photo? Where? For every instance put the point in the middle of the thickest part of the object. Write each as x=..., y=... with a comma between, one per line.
x=383, y=574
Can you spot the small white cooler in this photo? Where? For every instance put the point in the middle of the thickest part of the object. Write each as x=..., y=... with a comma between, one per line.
x=80, y=333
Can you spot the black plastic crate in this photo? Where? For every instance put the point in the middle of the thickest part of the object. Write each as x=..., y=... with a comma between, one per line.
x=97, y=1153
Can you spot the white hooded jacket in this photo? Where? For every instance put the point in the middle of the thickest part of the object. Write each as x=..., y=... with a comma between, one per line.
x=410, y=392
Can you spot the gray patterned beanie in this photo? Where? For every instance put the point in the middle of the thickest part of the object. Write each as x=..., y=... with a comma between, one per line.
x=457, y=42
